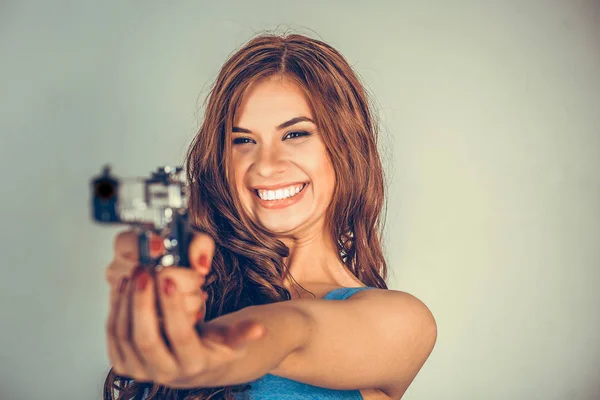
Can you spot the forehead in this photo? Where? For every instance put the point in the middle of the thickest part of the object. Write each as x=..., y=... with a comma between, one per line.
x=272, y=99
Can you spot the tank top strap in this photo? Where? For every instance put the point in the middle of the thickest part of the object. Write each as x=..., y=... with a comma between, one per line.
x=344, y=293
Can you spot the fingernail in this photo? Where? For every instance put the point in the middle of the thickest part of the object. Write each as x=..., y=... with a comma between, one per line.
x=142, y=281
x=168, y=286
x=123, y=284
x=136, y=271
x=156, y=244
x=203, y=260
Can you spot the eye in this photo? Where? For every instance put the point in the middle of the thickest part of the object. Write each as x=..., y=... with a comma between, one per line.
x=242, y=140
x=294, y=135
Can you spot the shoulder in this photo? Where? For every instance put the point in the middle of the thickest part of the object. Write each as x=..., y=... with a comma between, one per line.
x=414, y=327
x=390, y=331
x=385, y=300
x=395, y=302
x=395, y=295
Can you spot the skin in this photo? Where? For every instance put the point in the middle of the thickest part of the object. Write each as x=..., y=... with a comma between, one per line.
x=268, y=156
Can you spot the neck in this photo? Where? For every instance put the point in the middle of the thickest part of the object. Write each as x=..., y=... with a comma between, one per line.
x=313, y=260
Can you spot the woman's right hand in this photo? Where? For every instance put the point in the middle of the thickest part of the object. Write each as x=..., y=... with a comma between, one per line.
x=188, y=280
x=185, y=350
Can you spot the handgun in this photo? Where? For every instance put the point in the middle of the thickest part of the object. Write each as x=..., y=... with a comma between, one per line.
x=155, y=207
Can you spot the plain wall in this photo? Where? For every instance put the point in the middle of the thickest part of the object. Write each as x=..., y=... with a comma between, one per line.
x=490, y=116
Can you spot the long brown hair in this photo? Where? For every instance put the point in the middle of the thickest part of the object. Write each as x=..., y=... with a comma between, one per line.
x=248, y=266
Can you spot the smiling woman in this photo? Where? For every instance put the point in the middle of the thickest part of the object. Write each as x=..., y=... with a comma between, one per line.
x=286, y=178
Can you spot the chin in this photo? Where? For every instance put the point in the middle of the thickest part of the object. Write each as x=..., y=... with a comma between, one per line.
x=280, y=227
x=280, y=224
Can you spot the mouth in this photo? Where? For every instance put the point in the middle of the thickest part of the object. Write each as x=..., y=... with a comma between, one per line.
x=280, y=198
x=282, y=194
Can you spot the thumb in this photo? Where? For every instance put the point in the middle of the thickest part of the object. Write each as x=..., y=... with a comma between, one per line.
x=245, y=332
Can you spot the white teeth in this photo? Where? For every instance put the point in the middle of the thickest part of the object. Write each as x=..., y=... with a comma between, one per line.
x=280, y=193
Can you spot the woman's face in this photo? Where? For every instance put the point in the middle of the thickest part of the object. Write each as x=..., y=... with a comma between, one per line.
x=276, y=151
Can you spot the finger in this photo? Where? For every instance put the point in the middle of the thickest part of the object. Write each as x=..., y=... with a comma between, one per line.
x=201, y=252
x=189, y=283
x=118, y=269
x=191, y=354
x=232, y=338
x=131, y=362
x=114, y=352
x=160, y=364
x=195, y=306
x=187, y=280
x=126, y=245
x=156, y=245
x=243, y=333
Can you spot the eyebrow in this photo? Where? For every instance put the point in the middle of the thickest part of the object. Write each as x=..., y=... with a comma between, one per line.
x=279, y=127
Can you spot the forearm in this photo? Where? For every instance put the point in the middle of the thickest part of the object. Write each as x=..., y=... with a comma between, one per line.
x=286, y=331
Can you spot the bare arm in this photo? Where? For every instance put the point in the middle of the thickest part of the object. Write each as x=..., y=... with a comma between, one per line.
x=377, y=339
x=286, y=331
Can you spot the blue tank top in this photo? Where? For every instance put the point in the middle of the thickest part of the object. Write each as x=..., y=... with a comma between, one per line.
x=273, y=387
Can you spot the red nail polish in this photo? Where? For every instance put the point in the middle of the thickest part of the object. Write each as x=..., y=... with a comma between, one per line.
x=136, y=272
x=156, y=245
x=142, y=281
x=203, y=260
x=168, y=287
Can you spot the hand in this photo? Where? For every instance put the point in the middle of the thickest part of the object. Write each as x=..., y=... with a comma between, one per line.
x=184, y=355
x=126, y=261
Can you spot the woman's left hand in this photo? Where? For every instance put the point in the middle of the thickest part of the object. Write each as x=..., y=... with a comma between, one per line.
x=192, y=354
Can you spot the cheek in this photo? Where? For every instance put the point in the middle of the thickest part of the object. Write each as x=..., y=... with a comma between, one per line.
x=244, y=193
x=239, y=168
x=239, y=174
x=330, y=178
x=324, y=176
x=327, y=167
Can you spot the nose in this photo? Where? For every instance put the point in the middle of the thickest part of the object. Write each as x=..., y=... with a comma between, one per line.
x=270, y=162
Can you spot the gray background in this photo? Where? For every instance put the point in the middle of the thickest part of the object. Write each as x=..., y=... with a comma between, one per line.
x=490, y=118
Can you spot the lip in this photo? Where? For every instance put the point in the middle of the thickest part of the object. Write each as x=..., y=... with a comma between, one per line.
x=282, y=203
x=280, y=186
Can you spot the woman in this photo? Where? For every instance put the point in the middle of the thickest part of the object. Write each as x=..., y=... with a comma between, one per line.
x=287, y=184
